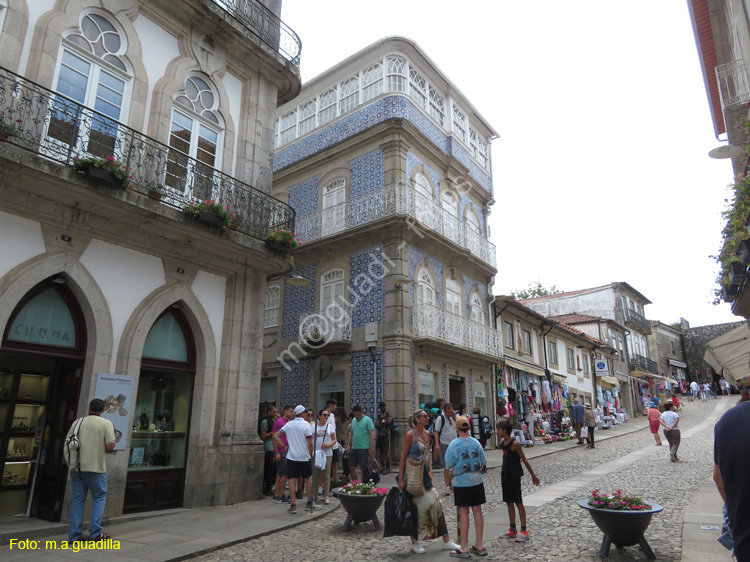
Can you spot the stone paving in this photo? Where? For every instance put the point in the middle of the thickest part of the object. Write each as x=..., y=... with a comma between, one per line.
x=560, y=530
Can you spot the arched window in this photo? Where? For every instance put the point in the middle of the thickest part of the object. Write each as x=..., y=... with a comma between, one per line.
x=473, y=233
x=288, y=129
x=451, y=224
x=334, y=209
x=349, y=98
x=331, y=288
x=396, y=74
x=424, y=201
x=459, y=123
x=372, y=82
x=437, y=106
x=477, y=311
x=92, y=71
x=453, y=296
x=194, y=140
x=418, y=88
x=307, y=117
x=327, y=106
x=425, y=290
x=273, y=301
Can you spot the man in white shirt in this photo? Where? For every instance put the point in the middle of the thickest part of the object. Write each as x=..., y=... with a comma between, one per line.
x=693, y=390
x=445, y=433
x=299, y=435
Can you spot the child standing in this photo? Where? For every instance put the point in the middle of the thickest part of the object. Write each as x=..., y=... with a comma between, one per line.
x=510, y=478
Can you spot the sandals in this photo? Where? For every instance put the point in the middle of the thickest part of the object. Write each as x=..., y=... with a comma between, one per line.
x=477, y=551
x=459, y=554
x=102, y=537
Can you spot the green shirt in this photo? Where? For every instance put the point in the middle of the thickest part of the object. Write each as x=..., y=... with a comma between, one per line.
x=268, y=443
x=361, y=432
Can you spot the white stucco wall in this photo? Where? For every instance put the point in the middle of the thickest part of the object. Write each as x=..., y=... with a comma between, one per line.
x=211, y=291
x=125, y=277
x=23, y=240
x=161, y=48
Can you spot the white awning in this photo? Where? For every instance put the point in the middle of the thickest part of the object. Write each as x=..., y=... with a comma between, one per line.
x=730, y=355
x=611, y=381
x=524, y=367
x=559, y=379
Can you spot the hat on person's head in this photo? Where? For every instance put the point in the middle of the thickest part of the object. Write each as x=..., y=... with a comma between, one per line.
x=462, y=422
x=299, y=410
x=588, y=405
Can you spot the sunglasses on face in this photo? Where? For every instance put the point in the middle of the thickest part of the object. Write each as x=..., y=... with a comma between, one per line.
x=325, y=415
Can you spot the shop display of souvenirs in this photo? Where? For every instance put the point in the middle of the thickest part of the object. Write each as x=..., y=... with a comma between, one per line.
x=13, y=479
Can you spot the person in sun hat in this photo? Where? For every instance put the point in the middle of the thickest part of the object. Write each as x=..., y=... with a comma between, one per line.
x=464, y=459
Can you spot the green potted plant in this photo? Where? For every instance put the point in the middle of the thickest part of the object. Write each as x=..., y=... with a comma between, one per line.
x=210, y=212
x=105, y=170
x=8, y=130
x=282, y=240
x=622, y=518
x=155, y=190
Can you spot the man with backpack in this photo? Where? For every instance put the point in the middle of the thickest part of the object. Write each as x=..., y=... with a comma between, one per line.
x=265, y=431
x=445, y=433
x=88, y=440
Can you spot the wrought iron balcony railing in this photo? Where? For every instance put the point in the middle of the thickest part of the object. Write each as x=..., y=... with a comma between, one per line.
x=734, y=87
x=634, y=318
x=620, y=366
x=641, y=363
x=395, y=199
x=320, y=329
x=432, y=322
x=266, y=25
x=60, y=129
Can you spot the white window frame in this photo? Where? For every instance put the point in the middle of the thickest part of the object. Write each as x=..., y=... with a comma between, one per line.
x=307, y=117
x=397, y=74
x=436, y=105
x=508, y=335
x=372, y=81
x=459, y=123
x=272, y=306
x=349, y=94
x=425, y=291
x=334, y=215
x=453, y=299
x=328, y=106
x=571, y=358
x=427, y=378
x=477, y=311
x=527, y=345
x=418, y=88
x=553, y=353
x=288, y=127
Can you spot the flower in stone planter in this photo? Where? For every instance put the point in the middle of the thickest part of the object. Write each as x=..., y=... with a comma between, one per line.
x=617, y=501
x=284, y=236
x=117, y=169
x=357, y=488
x=195, y=207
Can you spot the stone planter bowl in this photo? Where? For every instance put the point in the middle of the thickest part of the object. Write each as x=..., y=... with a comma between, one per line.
x=623, y=528
x=360, y=508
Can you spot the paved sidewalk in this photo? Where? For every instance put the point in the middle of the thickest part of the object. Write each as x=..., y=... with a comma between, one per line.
x=181, y=534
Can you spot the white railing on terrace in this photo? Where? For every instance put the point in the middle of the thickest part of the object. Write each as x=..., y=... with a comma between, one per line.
x=734, y=88
x=396, y=199
x=433, y=322
x=319, y=329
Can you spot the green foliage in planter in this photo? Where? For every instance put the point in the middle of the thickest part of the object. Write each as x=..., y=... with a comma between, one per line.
x=195, y=208
x=284, y=236
x=117, y=169
x=736, y=216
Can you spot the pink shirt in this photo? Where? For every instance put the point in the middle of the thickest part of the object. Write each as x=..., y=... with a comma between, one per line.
x=277, y=425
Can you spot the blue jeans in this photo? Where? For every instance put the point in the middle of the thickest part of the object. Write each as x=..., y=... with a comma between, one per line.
x=96, y=482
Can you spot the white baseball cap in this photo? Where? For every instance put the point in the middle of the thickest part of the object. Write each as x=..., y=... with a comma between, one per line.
x=299, y=409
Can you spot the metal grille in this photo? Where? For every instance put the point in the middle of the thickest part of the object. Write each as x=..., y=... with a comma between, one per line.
x=433, y=322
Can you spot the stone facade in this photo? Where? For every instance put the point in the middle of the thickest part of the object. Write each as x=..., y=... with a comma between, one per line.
x=124, y=260
x=695, y=347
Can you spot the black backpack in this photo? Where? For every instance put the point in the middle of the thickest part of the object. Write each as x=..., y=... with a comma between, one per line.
x=269, y=425
x=486, y=427
x=372, y=471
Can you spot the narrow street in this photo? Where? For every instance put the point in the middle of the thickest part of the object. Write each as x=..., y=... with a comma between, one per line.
x=560, y=530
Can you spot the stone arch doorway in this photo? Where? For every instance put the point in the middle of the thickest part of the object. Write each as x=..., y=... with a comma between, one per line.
x=41, y=358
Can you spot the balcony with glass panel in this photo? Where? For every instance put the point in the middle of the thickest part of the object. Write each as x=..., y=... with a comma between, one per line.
x=60, y=129
x=398, y=199
x=437, y=326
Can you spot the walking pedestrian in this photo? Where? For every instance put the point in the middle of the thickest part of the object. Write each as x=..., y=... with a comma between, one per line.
x=510, y=479
x=670, y=419
x=96, y=436
x=464, y=459
x=654, y=415
x=445, y=428
x=578, y=415
x=589, y=420
x=431, y=517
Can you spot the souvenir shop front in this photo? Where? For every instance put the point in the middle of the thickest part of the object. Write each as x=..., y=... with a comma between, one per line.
x=609, y=401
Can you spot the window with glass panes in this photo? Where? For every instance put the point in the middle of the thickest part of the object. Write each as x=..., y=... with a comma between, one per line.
x=349, y=94
x=508, y=335
x=437, y=106
x=527, y=342
x=571, y=359
x=307, y=117
x=372, y=82
x=273, y=300
x=396, y=70
x=460, y=124
x=553, y=352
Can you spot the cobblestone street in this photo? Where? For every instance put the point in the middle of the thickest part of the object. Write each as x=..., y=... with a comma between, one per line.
x=560, y=530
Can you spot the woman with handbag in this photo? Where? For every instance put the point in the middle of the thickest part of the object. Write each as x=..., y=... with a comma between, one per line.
x=323, y=455
x=415, y=476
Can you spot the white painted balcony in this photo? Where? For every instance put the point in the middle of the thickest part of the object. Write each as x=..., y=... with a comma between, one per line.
x=435, y=323
x=734, y=86
x=320, y=330
x=395, y=199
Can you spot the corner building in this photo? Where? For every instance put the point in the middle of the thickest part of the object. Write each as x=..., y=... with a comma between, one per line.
x=111, y=290
x=387, y=166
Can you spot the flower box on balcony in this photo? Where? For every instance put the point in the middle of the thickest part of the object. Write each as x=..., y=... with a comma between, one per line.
x=106, y=171
x=737, y=272
x=729, y=294
x=211, y=219
x=278, y=246
x=744, y=252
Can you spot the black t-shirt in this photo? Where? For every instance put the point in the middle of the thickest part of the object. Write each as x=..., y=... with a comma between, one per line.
x=511, y=459
x=732, y=455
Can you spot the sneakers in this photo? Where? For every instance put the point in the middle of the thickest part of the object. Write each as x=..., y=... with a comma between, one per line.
x=417, y=548
x=450, y=545
x=327, y=501
x=281, y=499
x=509, y=534
x=293, y=509
x=309, y=506
x=523, y=536
x=299, y=494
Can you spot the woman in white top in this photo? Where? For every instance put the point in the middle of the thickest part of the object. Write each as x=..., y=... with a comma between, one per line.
x=670, y=419
x=324, y=441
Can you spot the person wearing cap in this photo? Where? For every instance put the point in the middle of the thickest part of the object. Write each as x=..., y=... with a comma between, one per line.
x=299, y=435
x=464, y=459
x=589, y=419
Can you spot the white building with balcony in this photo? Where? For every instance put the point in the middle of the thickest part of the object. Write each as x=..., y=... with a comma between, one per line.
x=387, y=166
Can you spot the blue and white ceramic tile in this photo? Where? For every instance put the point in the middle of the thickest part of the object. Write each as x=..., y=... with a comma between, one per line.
x=367, y=268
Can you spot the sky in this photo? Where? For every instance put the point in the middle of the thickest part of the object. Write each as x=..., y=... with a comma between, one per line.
x=600, y=171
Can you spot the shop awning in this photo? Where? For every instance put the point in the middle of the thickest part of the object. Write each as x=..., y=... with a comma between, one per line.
x=611, y=381
x=730, y=355
x=524, y=367
x=559, y=379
